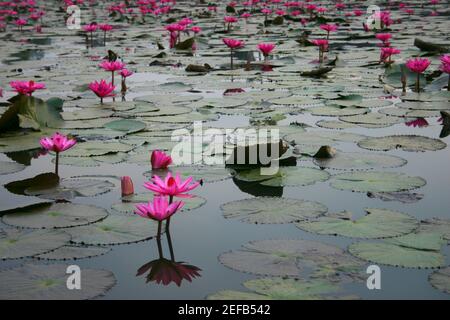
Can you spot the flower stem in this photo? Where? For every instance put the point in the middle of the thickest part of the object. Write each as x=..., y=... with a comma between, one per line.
x=169, y=242
x=57, y=163
x=418, y=83
x=231, y=58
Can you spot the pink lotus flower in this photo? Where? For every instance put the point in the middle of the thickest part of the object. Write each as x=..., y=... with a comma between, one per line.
x=328, y=28
x=246, y=15
x=196, y=29
x=266, y=48
x=186, y=21
x=102, y=89
x=387, y=53
x=384, y=37
x=125, y=73
x=159, y=209
x=1, y=92
x=26, y=87
x=445, y=67
x=160, y=160
x=230, y=19
x=127, y=187
x=418, y=65
x=171, y=186
x=105, y=27
x=57, y=143
x=323, y=46
x=233, y=91
x=112, y=66
x=232, y=44
x=90, y=27
x=419, y=122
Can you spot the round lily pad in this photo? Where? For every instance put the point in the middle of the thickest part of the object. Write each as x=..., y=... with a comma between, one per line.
x=70, y=252
x=280, y=289
x=436, y=225
x=334, y=124
x=376, y=181
x=441, y=280
x=360, y=161
x=10, y=167
x=323, y=137
x=206, y=173
x=115, y=229
x=272, y=210
x=336, y=111
x=285, y=176
x=405, y=142
x=96, y=148
x=49, y=282
x=286, y=258
x=126, y=125
x=16, y=243
x=372, y=118
x=378, y=223
x=408, y=254
x=57, y=215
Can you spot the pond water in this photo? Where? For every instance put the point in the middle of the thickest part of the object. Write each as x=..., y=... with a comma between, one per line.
x=203, y=237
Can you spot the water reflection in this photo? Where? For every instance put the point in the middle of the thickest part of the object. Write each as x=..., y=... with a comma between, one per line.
x=165, y=271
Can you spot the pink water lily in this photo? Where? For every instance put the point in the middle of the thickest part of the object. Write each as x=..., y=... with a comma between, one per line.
x=229, y=20
x=328, y=28
x=233, y=44
x=57, y=143
x=112, y=66
x=323, y=46
x=102, y=89
x=266, y=48
x=384, y=38
x=26, y=87
x=387, y=53
x=445, y=67
x=127, y=186
x=160, y=160
x=172, y=186
x=418, y=65
x=105, y=28
x=160, y=209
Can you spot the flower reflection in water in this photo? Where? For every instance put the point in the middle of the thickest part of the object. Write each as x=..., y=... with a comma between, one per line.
x=165, y=271
x=419, y=122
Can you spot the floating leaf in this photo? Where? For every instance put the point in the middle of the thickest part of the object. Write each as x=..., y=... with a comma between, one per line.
x=404, y=197
x=378, y=223
x=285, y=176
x=49, y=282
x=16, y=243
x=336, y=111
x=69, y=252
x=10, y=167
x=372, y=119
x=280, y=289
x=440, y=279
x=97, y=148
x=405, y=142
x=115, y=229
x=376, y=182
x=436, y=225
x=286, y=258
x=322, y=138
x=126, y=125
x=272, y=210
x=360, y=161
x=58, y=215
x=397, y=255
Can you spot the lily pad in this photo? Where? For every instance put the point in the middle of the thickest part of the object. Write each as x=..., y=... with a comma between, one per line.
x=280, y=289
x=401, y=253
x=378, y=223
x=126, y=125
x=58, y=215
x=115, y=229
x=441, y=280
x=286, y=176
x=376, y=182
x=266, y=210
x=70, y=252
x=336, y=111
x=360, y=161
x=97, y=148
x=322, y=137
x=286, y=258
x=10, y=167
x=411, y=143
x=16, y=243
x=49, y=282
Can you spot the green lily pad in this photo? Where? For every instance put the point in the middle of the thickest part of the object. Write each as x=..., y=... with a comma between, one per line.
x=58, y=215
x=16, y=243
x=126, y=125
x=373, y=118
x=10, y=167
x=360, y=161
x=323, y=138
x=440, y=279
x=336, y=111
x=412, y=252
x=115, y=229
x=266, y=210
x=49, y=282
x=334, y=124
x=96, y=148
x=70, y=252
x=280, y=289
x=286, y=258
x=411, y=143
x=378, y=223
x=376, y=182
x=436, y=225
x=286, y=176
